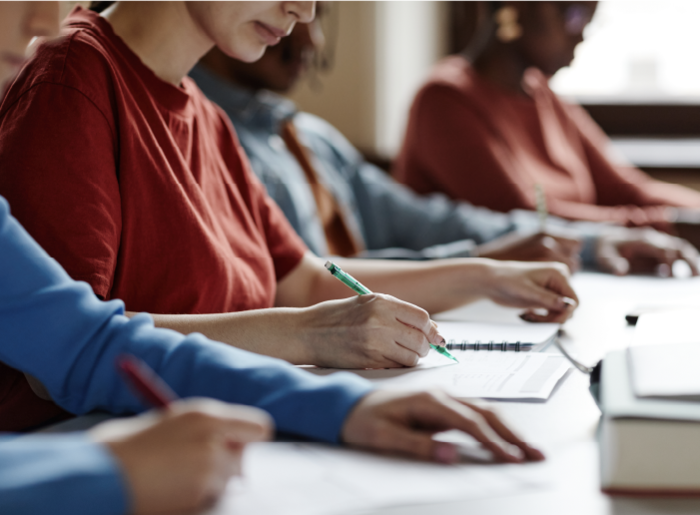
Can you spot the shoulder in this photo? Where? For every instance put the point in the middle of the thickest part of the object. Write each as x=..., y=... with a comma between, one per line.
x=538, y=84
x=451, y=81
x=453, y=73
x=319, y=132
x=209, y=115
x=76, y=61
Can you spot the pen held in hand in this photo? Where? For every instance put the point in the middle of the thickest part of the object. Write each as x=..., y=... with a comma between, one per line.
x=361, y=289
x=541, y=202
x=145, y=382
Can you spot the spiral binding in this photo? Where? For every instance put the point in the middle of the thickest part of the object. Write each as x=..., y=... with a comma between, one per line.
x=487, y=346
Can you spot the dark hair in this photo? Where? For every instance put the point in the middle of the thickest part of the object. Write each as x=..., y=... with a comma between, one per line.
x=100, y=5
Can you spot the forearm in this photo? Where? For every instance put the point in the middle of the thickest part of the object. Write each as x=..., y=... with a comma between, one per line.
x=64, y=474
x=56, y=330
x=435, y=286
x=271, y=332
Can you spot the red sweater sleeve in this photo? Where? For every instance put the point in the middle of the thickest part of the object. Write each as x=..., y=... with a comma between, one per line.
x=624, y=194
x=619, y=185
x=451, y=148
x=57, y=146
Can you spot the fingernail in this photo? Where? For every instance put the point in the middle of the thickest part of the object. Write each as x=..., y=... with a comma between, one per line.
x=444, y=452
x=534, y=454
x=438, y=339
x=526, y=316
x=568, y=301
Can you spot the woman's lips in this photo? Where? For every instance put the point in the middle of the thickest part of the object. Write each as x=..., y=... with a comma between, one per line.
x=271, y=35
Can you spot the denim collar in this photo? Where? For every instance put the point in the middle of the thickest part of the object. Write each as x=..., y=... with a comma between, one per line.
x=262, y=109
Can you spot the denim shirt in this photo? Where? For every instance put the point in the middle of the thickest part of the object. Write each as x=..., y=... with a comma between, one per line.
x=388, y=218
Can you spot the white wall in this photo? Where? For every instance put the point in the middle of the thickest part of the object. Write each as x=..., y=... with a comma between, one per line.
x=410, y=37
x=384, y=51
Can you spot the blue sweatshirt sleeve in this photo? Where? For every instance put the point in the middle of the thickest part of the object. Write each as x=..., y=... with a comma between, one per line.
x=56, y=330
x=61, y=475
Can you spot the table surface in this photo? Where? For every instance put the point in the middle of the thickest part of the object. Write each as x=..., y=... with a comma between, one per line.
x=564, y=427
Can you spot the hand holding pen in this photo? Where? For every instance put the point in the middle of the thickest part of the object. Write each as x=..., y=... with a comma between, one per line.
x=361, y=289
x=180, y=458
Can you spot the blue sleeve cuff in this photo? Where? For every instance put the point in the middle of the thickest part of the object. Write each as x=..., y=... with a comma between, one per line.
x=61, y=475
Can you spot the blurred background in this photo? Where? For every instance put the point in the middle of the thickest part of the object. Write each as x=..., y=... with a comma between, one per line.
x=636, y=73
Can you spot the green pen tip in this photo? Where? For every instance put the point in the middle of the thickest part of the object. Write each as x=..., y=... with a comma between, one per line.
x=445, y=353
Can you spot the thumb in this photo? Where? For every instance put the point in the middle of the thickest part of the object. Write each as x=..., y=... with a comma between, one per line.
x=610, y=260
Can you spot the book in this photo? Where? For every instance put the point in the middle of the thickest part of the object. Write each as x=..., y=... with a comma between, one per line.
x=664, y=354
x=647, y=446
x=476, y=336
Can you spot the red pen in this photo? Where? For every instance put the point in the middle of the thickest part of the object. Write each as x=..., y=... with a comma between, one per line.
x=145, y=382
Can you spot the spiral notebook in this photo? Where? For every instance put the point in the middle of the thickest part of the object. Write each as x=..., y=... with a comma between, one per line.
x=475, y=336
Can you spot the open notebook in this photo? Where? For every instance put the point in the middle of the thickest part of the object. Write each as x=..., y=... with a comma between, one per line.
x=490, y=375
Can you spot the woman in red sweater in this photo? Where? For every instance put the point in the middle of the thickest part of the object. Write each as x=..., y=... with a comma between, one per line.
x=486, y=128
x=136, y=184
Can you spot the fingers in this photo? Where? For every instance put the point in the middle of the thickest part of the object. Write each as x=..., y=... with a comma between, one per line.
x=180, y=459
x=437, y=411
x=238, y=424
x=531, y=453
x=561, y=249
x=552, y=317
x=642, y=251
x=556, y=295
x=416, y=317
x=689, y=254
x=406, y=422
x=536, y=296
x=559, y=283
x=570, y=246
x=610, y=260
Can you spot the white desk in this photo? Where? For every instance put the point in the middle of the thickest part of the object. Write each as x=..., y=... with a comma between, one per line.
x=564, y=426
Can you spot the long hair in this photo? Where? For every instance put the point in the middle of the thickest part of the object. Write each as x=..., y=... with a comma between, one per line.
x=100, y=5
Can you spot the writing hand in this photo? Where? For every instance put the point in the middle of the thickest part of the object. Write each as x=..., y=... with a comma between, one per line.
x=181, y=459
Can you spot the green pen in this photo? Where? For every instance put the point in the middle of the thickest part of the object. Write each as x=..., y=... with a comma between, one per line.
x=361, y=289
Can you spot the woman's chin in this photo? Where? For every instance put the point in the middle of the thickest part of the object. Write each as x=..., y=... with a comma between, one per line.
x=249, y=54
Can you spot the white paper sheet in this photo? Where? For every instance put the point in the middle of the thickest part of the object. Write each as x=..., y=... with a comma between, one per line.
x=314, y=479
x=485, y=374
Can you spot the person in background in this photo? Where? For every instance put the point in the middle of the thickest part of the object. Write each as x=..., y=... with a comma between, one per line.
x=135, y=183
x=315, y=175
x=486, y=128
x=181, y=458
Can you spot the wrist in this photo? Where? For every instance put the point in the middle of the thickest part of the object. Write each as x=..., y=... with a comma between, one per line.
x=298, y=332
x=477, y=277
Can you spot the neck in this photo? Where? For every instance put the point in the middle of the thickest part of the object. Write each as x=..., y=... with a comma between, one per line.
x=219, y=64
x=501, y=65
x=162, y=34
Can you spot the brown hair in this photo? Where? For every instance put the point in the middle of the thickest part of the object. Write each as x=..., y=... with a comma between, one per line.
x=100, y=5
